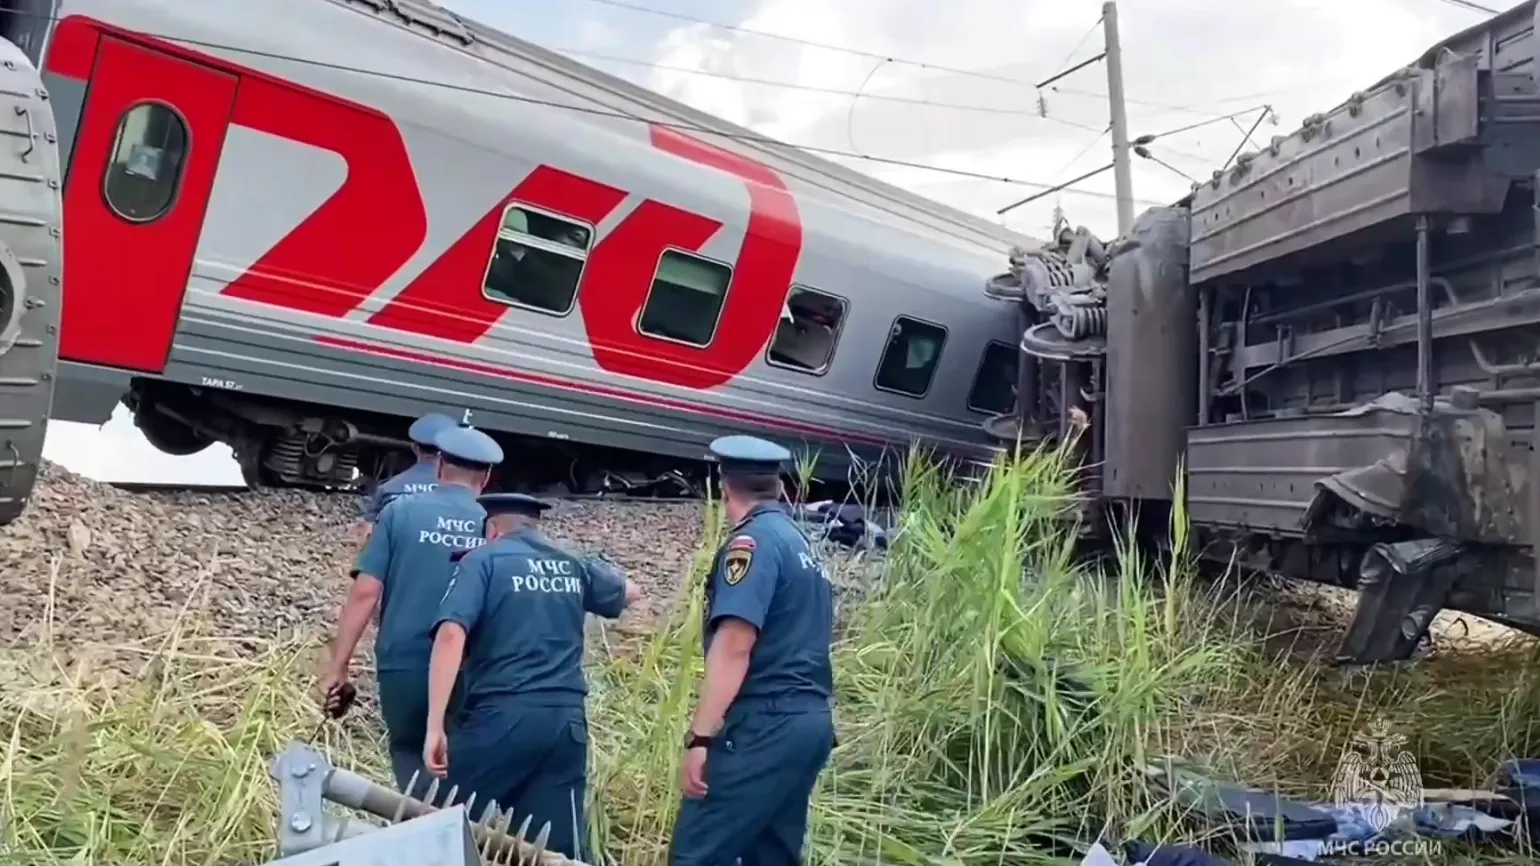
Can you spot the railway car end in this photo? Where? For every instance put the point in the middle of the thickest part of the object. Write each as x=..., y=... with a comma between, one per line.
x=1333, y=340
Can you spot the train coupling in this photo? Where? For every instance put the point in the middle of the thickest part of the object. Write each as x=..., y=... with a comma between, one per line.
x=423, y=832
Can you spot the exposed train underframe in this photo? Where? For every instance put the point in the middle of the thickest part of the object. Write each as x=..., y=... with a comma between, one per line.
x=280, y=443
x=1338, y=339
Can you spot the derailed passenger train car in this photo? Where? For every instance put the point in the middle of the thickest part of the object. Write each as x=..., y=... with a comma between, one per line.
x=327, y=235
x=1336, y=338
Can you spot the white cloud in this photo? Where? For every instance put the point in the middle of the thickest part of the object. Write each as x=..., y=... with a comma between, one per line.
x=116, y=451
x=1301, y=56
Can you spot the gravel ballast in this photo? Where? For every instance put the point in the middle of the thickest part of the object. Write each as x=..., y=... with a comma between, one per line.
x=88, y=563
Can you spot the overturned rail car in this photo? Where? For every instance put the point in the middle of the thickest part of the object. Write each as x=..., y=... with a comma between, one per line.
x=31, y=276
x=1337, y=338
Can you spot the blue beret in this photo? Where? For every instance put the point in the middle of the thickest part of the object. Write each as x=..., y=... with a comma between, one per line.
x=425, y=430
x=749, y=455
x=466, y=444
x=512, y=503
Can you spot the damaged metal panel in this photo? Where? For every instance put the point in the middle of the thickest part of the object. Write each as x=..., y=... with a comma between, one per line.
x=1262, y=475
x=1448, y=135
x=1446, y=475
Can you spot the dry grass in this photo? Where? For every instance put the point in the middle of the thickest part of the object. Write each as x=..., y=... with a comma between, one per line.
x=980, y=721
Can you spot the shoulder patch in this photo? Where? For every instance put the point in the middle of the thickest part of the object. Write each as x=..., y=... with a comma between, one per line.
x=742, y=542
x=735, y=566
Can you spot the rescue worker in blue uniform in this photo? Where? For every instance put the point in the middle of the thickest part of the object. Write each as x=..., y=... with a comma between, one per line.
x=763, y=726
x=403, y=571
x=514, y=615
x=420, y=477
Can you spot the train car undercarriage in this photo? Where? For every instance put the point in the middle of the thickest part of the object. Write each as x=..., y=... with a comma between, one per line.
x=280, y=443
x=1337, y=338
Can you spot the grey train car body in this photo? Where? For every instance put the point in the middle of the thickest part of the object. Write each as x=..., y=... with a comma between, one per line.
x=1338, y=339
x=417, y=212
x=31, y=273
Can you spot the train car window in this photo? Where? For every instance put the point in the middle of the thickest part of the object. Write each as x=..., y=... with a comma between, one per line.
x=994, y=385
x=145, y=170
x=537, y=261
x=810, y=326
x=910, y=359
x=686, y=299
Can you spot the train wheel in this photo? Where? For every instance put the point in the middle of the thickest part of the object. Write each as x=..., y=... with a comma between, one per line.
x=168, y=435
x=248, y=455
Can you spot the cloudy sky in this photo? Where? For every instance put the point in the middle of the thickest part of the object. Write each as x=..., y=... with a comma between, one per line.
x=947, y=85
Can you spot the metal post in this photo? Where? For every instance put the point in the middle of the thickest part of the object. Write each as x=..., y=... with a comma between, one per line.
x=1122, y=166
x=1425, y=387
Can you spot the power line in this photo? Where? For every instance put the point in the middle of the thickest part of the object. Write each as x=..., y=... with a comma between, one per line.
x=874, y=55
x=620, y=4
x=1472, y=7
x=751, y=137
x=1060, y=187
x=1081, y=153
x=789, y=85
x=1090, y=31
x=1267, y=111
x=1144, y=152
x=1258, y=122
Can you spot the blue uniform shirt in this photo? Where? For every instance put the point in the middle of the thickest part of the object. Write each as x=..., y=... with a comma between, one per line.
x=768, y=576
x=420, y=477
x=521, y=601
x=409, y=552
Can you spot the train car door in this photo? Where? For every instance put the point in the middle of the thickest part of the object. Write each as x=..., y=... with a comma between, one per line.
x=139, y=181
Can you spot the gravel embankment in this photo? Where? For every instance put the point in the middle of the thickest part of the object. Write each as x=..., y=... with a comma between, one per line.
x=88, y=563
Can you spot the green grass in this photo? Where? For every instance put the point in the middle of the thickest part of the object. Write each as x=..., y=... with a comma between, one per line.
x=981, y=717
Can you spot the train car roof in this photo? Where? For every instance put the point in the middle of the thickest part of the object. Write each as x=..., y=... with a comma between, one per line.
x=496, y=47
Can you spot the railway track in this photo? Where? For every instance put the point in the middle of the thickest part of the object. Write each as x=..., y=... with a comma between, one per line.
x=160, y=487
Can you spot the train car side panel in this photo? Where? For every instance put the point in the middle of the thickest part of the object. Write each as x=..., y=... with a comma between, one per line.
x=148, y=146
x=339, y=275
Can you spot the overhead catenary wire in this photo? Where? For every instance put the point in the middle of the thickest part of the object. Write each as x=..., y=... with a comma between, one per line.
x=792, y=85
x=875, y=55
x=1065, y=187
x=857, y=52
x=1472, y=7
x=1266, y=110
x=1090, y=31
x=750, y=137
x=1144, y=153
x=1065, y=69
x=1238, y=147
x=1082, y=152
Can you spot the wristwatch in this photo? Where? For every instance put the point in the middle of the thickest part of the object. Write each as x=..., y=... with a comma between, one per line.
x=693, y=740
